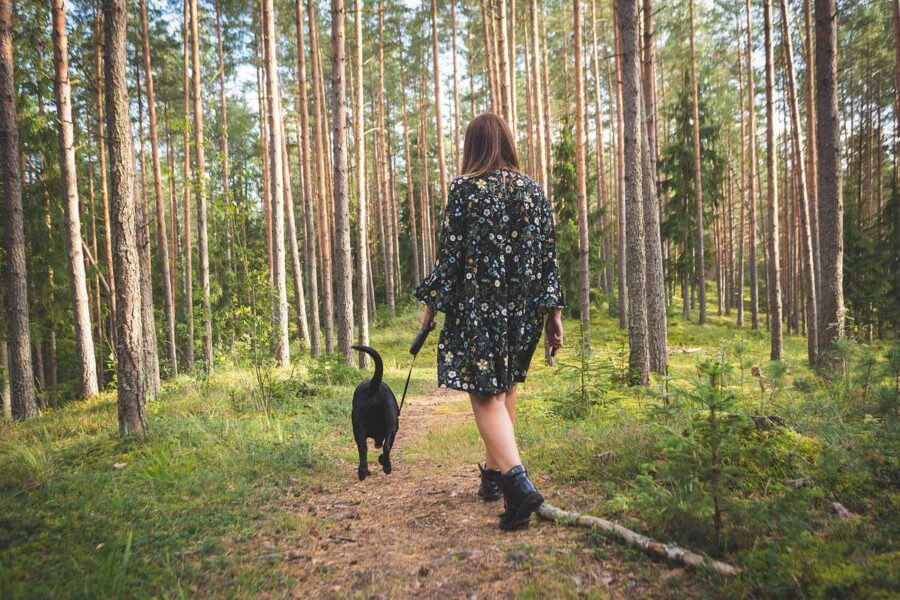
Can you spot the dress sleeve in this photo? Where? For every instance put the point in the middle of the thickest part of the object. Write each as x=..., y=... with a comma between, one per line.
x=440, y=289
x=551, y=295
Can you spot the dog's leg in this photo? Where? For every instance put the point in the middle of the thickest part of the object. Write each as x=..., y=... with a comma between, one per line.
x=363, y=448
x=385, y=458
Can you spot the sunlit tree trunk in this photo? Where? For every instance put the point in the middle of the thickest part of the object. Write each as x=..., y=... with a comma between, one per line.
x=129, y=349
x=812, y=160
x=148, y=316
x=456, y=138
x=538, y=98
x=325, y=224
x=831, y=202
x=698, y=175
x=201, y=188
x=343, y=258
x=84, y=337
x=581, y=186
x=15, y=276
x=293, y=245
x=186, y=198
x=620, y=182
x=751, y=180
x=362, y=220
x=161, y=229
x=806, y=237
x=639, y=356
x=742, y=196
x=657, y=331
x=308, y=189
x=774, y=280
x=104, y=185
x=439, y=122
x=276, y=168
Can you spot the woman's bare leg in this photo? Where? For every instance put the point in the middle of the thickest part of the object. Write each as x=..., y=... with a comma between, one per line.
x=496, y=429
x=510, y=402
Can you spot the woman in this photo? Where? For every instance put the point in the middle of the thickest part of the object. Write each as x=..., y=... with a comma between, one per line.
x=497, y=280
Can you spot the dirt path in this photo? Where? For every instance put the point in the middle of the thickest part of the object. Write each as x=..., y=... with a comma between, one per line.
x=423, y=532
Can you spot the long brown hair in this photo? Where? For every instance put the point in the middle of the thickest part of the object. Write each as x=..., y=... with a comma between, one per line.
x=488, y=146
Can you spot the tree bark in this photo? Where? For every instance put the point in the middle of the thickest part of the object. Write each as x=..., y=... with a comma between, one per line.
x=148, y=317
x=831, y=201
x=322, y=195
x=806, y=235
x=581, y=186
x=21, y=373
x=201, y=188
x=104, y=185
x=129, y=348
x=439, y=122
x=698, y=175
x=751, y=181
x=186, y=198
x=639, y=356
x=343, y=257
x=84, y=337
x=657, y=330
x=774, y=282
x=161, y=229
x=540, y=150
x=276, y=168
x=362, y=221
x=308, y=190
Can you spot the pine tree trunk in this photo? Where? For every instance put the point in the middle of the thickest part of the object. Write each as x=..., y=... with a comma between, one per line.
x=186, y=199
x=308, y=193
x=830, y=197
x=639, y=356
x=362, y=220
x=201, y=188
x=657, y=330
x=227, y=279
x=774, y=281
x=293, y=247
x=276, y=170
x=15, y=277
x=456, y=138
x=325, y=224
x=161, y=229
x=602, y=197
x=5, y=400
x=812, y=159
x=620, y=179
x=148, y=318
x=540, y=150
x=581, y=186
x=806, y=236
x=698, y=175
x=742, y=199
x=439, y=122
x=382, y=179
x=84, y=337
x=751, y=181
x=343, y=256
x=104, y=185
x=129, y=349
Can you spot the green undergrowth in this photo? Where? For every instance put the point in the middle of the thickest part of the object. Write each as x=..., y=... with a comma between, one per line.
x=86, y=513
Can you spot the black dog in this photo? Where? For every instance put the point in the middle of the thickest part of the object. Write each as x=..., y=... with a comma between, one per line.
x=375, y=415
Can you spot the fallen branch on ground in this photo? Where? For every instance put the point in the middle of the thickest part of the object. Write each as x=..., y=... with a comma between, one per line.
x=650, y=546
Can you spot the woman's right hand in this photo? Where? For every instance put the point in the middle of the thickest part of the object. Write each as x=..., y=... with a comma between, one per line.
x=427, y=317
x=554, y=328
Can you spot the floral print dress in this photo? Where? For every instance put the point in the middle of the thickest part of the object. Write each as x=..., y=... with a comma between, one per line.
x=495, y=277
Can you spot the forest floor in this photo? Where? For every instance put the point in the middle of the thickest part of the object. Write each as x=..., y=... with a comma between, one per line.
x=244, y=485
x=423, y=531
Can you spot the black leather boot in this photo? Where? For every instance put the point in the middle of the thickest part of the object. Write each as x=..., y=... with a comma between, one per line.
x=520, y=497
x=490, y=484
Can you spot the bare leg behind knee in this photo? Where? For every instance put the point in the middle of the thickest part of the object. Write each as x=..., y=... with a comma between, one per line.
x=496, y=431
x=510, y=402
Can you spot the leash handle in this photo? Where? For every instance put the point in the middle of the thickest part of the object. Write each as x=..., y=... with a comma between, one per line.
x=414, y=350
x=420, y=339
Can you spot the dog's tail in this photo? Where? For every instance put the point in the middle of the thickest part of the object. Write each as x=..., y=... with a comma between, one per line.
x=375, y=382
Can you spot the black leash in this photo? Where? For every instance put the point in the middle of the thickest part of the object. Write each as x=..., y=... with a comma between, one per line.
x=414, y=350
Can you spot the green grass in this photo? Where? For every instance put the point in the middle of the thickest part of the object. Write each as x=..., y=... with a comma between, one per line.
x=179, y=512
